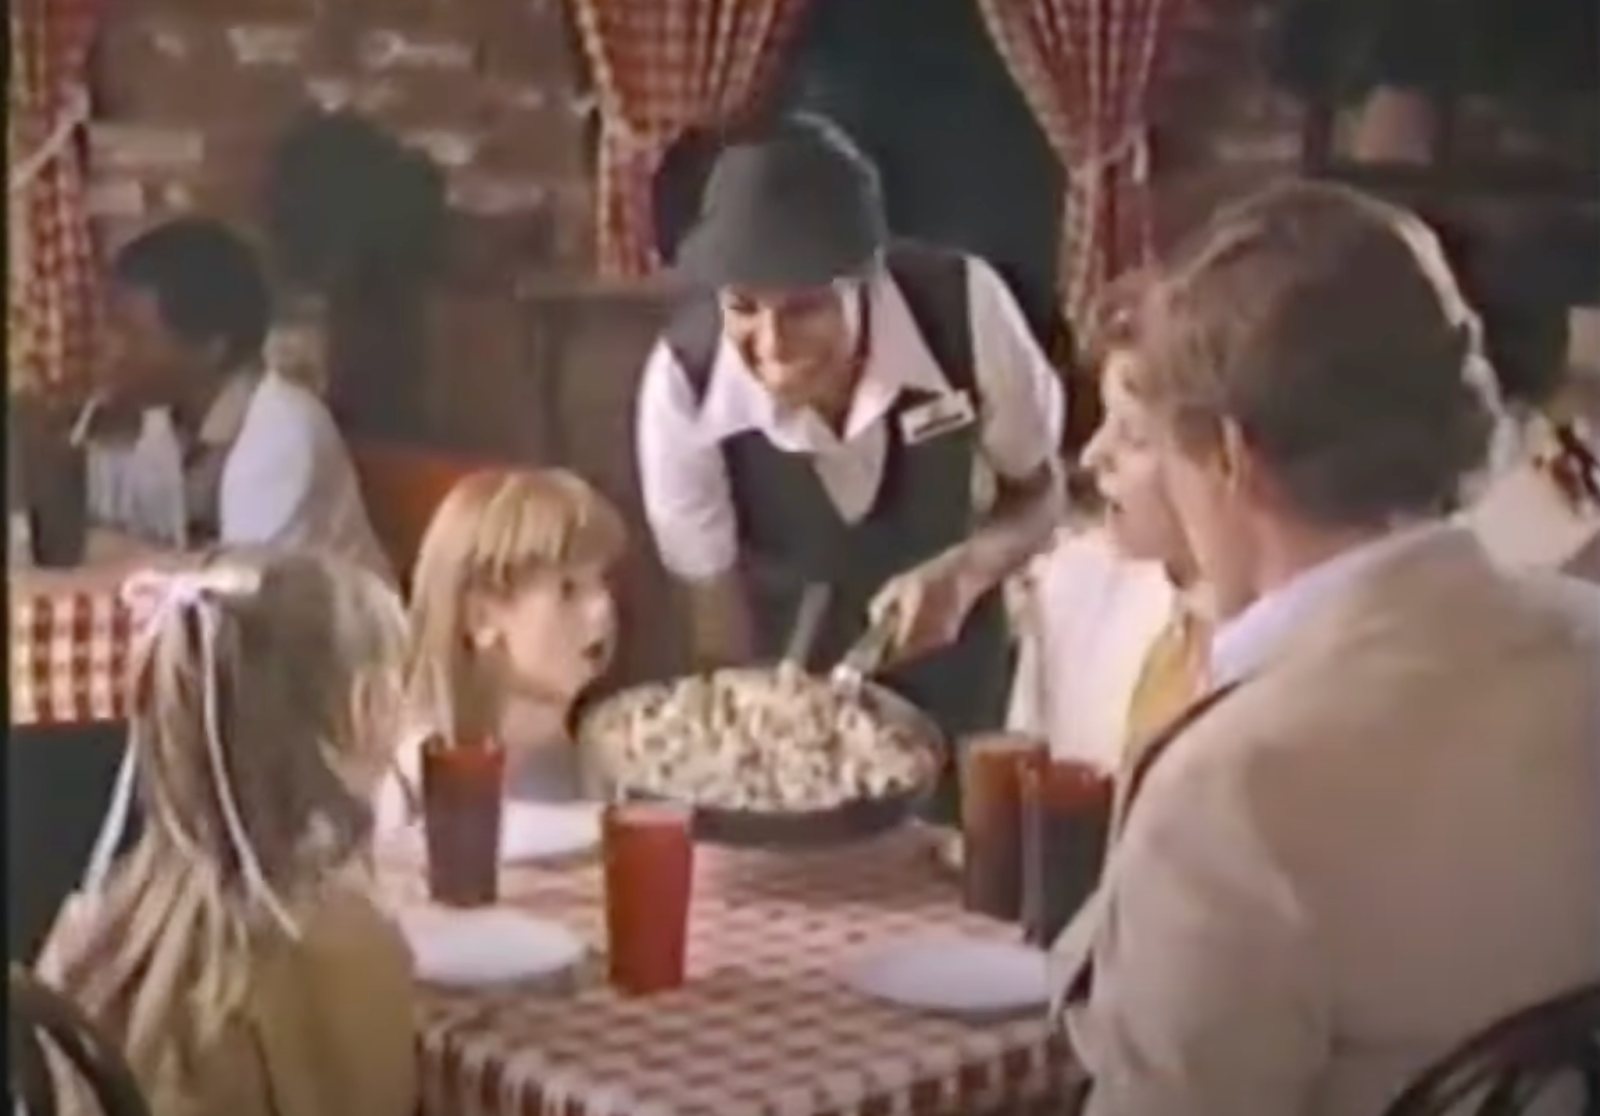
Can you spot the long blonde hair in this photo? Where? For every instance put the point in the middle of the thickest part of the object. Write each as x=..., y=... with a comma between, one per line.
x=264, y=694
x=495, y=530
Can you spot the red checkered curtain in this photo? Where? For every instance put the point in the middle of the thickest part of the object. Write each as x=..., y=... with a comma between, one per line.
x=1086, y=69
x=661, y=67
x=51, y=262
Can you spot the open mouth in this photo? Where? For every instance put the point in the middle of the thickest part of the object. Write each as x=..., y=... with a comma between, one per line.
x=597, y=652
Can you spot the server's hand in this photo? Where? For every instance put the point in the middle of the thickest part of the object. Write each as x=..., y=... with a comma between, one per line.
x=930, y=603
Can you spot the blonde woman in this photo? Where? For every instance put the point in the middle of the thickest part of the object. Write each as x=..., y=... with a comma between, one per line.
x=512, y=618
x=236, y=953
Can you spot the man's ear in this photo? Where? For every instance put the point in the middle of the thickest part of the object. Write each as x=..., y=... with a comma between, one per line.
x=1241, y=466
x=1234, y=457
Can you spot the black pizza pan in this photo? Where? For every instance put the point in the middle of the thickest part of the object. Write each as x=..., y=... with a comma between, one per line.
x=853, y=820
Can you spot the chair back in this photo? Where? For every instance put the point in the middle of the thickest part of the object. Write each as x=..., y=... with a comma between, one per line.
x=42, y=1018
x=402, y=487
x=1506, y=1067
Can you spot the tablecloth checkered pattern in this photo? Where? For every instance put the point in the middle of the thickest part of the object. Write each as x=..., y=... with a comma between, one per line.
x=762, y=1028
x=69, y=656
x=71, y=635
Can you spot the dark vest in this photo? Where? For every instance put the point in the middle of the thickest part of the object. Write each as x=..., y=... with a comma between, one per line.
x=791, y=533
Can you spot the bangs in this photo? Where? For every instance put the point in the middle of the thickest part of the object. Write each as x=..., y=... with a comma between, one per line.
x=548, y=521
x=496, y=529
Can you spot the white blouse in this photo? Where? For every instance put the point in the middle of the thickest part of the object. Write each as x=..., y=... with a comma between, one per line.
x=1088, y=617
x=286, y=478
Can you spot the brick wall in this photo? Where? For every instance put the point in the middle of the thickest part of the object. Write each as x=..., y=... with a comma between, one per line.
x=193, y=93
x=1222, y=128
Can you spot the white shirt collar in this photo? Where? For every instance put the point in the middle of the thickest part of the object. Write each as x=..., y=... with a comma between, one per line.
x=1245, y=644
x=223, y=420
x=225, y=417
x=897, y=359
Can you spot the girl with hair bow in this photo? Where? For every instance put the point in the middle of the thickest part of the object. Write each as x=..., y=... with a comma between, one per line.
x=237, y=953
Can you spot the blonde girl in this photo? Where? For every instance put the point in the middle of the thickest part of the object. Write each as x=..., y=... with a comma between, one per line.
x=512, y=618
x=236, y=952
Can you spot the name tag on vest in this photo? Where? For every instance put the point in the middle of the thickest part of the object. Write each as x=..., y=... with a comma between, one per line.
x=949, y=412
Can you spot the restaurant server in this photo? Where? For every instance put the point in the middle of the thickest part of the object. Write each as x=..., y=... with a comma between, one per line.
x=832, y=408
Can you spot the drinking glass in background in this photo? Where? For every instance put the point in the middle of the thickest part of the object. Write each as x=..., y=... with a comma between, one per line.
x=1065, y=823
x=50, y=485
x=991, y=821
x=463, y=791
x=19, y=525
x=648, y=851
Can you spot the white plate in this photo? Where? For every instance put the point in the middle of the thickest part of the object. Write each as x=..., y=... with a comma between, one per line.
x=469, y=949
x=546, y=831
x=953, y=976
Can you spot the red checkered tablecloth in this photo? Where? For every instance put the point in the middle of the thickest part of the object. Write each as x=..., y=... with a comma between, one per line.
x=763, y=1025
x=69, y=654
x=70, y=636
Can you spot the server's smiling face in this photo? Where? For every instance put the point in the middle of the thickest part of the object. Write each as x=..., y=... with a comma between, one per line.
x=797, y=342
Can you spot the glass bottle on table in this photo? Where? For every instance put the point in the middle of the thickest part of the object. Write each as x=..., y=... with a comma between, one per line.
x=50, y=485
x=992, y=767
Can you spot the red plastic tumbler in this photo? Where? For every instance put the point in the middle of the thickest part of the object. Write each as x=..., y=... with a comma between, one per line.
x=648, y=848
x=463, y=794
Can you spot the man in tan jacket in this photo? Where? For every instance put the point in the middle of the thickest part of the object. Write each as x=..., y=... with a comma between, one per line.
x=1385, y=833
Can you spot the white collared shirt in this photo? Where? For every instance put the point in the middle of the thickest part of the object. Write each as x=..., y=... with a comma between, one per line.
x=286, y=478
x=1089, y=621
x=1244, y=644
x=683, y=477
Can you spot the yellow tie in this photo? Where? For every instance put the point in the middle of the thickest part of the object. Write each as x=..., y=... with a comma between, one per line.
x=1172, y=679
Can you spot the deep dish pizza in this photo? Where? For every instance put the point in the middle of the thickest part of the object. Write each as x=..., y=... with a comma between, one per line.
x=770, y=741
